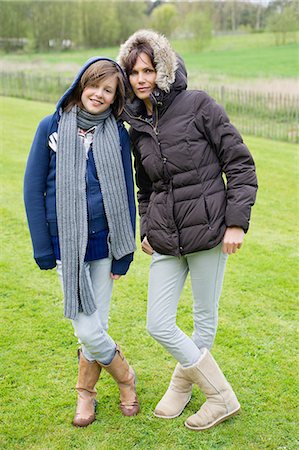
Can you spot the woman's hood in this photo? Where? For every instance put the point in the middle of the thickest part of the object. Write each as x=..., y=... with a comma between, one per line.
x=77, y=78
x=170, y=68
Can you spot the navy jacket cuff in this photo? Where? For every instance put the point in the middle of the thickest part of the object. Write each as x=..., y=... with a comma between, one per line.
x=121, y=266
x=46, y=262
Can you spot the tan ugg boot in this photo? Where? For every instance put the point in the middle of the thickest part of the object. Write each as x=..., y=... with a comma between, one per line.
x=125, y=377
x=221, y=401
x=88, y=375
x=176, y=397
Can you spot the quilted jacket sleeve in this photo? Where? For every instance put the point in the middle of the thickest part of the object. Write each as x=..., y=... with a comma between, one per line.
x=236, y=162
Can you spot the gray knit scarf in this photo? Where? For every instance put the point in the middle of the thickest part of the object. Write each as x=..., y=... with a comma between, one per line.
x=72, y=205
x=85, y=120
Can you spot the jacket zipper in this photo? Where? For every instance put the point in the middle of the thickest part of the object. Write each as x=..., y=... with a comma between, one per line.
x=154, y=127
x=164, y=161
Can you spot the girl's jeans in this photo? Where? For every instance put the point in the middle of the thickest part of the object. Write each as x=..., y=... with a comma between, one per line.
x=91, y=331
x=166, y=281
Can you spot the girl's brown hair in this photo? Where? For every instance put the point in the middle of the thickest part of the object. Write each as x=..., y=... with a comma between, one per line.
x=99, y=71
x=130, y=62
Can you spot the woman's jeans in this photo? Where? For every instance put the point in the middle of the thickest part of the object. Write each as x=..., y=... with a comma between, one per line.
x=91, y=331
x=167, y=277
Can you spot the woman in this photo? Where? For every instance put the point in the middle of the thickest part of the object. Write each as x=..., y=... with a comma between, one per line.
x=79, y=198
x=190, y=218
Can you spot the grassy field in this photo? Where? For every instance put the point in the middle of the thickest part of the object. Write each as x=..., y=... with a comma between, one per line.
x=267, y=62
x=234, y=56
x=255, y=344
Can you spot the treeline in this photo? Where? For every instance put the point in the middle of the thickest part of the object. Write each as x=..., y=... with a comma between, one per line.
x=45, y=25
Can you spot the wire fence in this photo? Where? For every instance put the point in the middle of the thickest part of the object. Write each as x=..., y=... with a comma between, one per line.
x=273, y=116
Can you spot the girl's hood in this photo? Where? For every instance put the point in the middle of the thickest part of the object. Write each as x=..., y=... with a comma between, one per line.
x=79, y=75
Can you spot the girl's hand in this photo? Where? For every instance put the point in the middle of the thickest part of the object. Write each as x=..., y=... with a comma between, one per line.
x=146, y=247
x=114, y=277
x=232, y=240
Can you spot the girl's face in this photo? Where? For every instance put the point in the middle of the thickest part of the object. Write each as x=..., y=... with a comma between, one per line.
x=143, y=77
x=96, y=98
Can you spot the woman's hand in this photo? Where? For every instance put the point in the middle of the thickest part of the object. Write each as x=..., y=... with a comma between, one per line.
x=146, y=247
x=114, y=277
x=232, y=240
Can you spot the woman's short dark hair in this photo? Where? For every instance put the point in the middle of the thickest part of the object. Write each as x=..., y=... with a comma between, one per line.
x=130, y=62
x=99, y=71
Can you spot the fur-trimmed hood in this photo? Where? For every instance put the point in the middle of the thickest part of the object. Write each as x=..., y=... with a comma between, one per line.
x=165, y=58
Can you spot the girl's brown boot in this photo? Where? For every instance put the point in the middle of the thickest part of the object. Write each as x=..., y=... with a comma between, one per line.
x=125, y=377
x=88, y=375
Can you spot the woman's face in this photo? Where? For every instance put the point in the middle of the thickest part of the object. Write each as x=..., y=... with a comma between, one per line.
x=143, y=77
x=97, y=97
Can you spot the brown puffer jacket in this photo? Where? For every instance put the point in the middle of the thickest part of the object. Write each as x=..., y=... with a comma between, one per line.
x=194, y=173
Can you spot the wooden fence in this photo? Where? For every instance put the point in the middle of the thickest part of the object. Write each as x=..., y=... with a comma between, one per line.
x=269, y=115
x=273, y=116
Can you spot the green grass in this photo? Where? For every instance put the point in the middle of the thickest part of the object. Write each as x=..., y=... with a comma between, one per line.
x=236, y=56
x=255, y=344
x=243, y=56
x=265, y=62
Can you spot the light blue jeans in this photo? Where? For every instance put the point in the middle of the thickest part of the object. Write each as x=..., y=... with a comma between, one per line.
x=166, y=280
x=91, y=331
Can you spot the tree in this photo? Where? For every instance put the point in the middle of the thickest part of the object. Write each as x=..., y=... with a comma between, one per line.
x=283, y=22
x=100, y=24
x=13, y=22
x=164, y=19
x=13, y=25
x=231, y=15
x=54, y=24
x=131, y=16
x=51, y=24
x=199, y=26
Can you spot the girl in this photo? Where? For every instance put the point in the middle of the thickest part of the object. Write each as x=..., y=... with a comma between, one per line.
x=190, y=218
x=79, y=199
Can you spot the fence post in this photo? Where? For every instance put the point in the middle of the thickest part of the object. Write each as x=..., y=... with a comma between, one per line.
x=222, y=96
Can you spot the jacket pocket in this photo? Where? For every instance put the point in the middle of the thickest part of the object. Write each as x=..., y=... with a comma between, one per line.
x=207, y=211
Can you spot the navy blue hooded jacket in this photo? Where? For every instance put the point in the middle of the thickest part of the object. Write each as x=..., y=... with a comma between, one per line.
x=40, y=192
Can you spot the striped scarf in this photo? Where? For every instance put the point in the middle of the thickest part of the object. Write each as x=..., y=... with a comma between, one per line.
x=71, y=203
